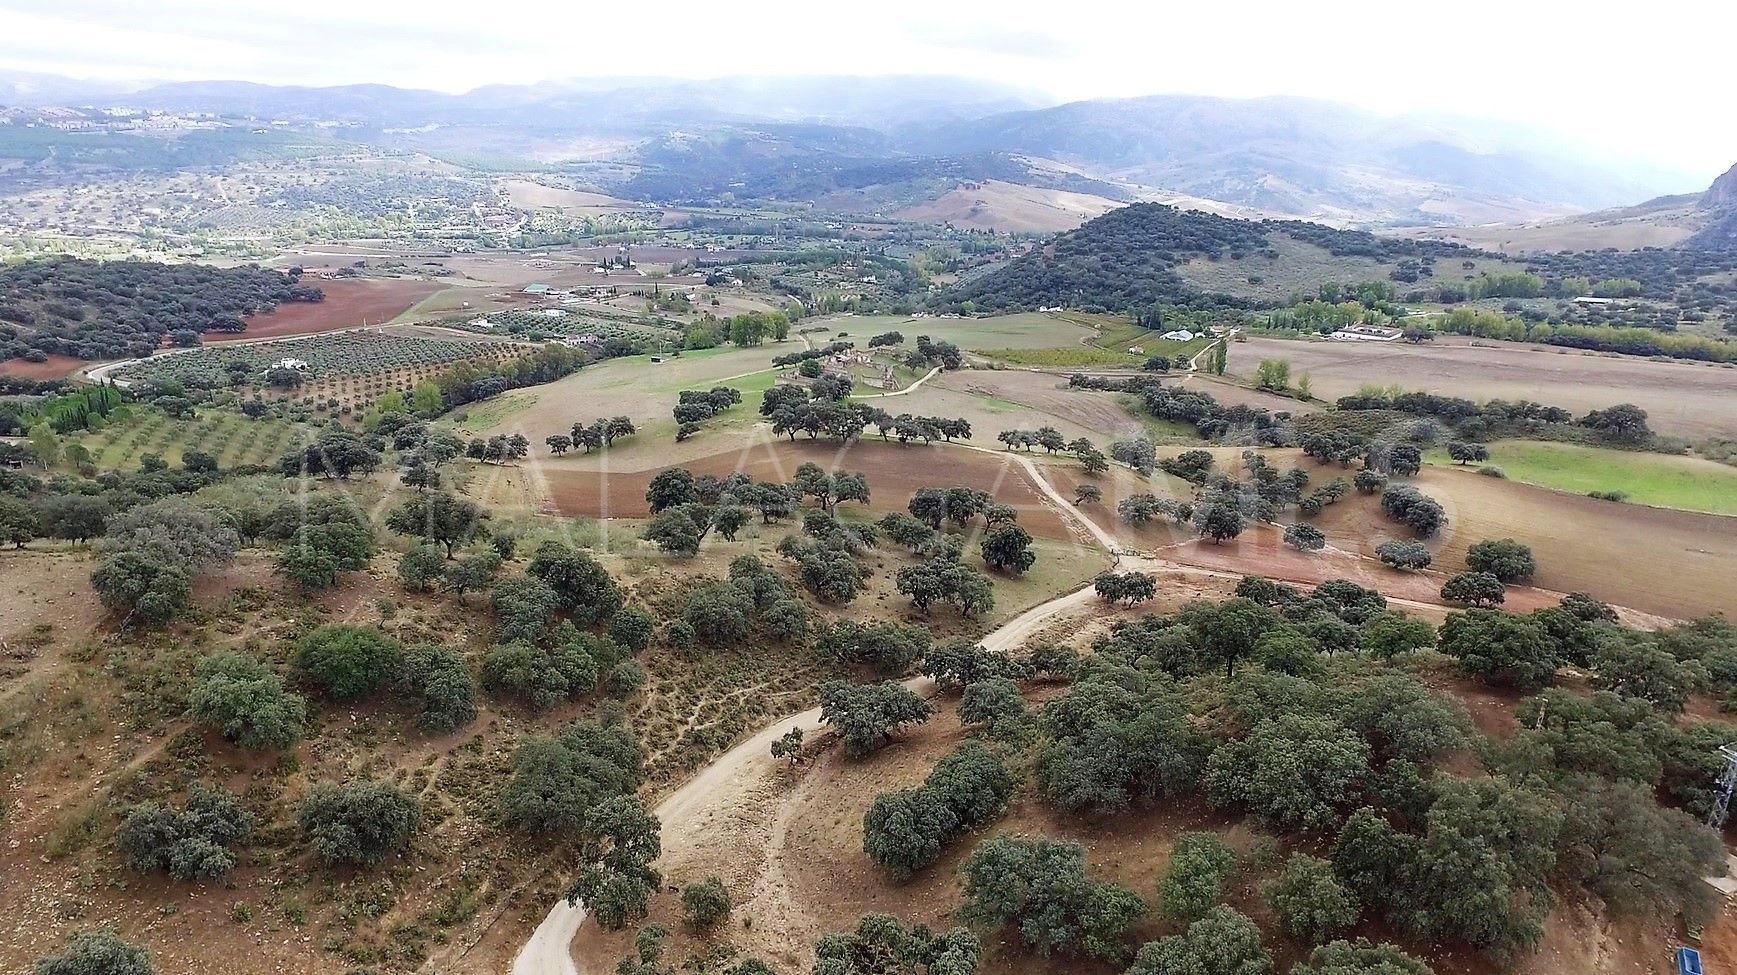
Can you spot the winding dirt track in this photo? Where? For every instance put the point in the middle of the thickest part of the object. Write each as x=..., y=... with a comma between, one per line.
x=546, y=953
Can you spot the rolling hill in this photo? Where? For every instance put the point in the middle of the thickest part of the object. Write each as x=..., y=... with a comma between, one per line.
x=909, y=142
x=1699, y=221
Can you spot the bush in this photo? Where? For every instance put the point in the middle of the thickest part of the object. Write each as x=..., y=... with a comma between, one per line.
x=437, y=676
x=906, y=831
x=192, y=843
x=1040, y=888
x=632, y=628
x=556, y=781
x=1404, y=555
x=1200, y=863
x=348, y=661
x=245, y=702
x=1223, y=942
x=358, y=822
x=1503, y=558
x=542, y=677
x=1309, y=901
x=706, y=904
x=97, y=953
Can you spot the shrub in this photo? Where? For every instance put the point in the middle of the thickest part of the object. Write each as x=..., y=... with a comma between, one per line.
x=438, y=677
x=348, y=661
x=1504, y=558
x=97, y=953
x=706, y=904
x=1310, y=902
x=1223, y=942
x=358, y=822
x=192, y=843
x=632, y=628
x=1200, y=863
x=245, y=702
x=542, y=677
x=556, y=781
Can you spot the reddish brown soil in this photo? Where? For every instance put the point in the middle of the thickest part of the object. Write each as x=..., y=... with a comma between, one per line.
x=894, y=473
x=57, y=367
x=349, y=303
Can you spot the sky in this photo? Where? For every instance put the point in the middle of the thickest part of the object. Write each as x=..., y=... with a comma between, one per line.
x=1648, y=82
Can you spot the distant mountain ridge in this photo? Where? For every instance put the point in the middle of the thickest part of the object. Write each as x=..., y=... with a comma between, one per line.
x=898, y=142
x=1723, y=192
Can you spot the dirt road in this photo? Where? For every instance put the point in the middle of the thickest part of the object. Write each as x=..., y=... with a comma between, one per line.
x=546, y=953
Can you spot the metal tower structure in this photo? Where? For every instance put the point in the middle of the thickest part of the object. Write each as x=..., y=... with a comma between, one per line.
x=1722, y=791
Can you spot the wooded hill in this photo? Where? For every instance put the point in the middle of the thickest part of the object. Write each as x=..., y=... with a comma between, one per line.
x=1126, y=259
x=120, y=309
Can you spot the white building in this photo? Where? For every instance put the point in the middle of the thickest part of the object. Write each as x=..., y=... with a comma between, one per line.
x=1365, y=333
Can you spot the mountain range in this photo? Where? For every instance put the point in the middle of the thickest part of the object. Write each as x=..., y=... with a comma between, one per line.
x=886, y=143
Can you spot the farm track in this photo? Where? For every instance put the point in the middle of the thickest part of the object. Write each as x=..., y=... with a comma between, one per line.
x=547, y=952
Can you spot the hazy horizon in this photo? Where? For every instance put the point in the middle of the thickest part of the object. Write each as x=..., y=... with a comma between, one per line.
x=1644, y=92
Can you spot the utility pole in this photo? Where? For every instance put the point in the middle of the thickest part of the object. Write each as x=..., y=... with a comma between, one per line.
x=1722, y=791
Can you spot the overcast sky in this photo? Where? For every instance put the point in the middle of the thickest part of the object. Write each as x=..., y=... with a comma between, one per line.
x=1650, y=80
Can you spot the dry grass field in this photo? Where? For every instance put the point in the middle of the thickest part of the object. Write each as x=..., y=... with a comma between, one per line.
x=1009, y=208
x=1682, y=398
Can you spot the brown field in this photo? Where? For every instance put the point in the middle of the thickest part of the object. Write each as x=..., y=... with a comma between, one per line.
x=1681, y=398
x=350, y=303
x=1003, y=399
x=1657, y=560
x=1260, y=550
x=895, y=472
x=1009, y=208
x=57, y=367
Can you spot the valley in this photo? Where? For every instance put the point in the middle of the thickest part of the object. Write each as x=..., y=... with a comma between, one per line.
x=854, y=525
